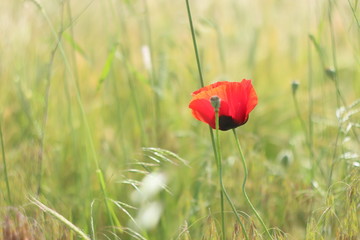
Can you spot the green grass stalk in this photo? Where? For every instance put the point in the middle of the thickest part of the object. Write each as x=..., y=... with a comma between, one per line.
x=303, y=125
x=151, y=71
x=46, y=107
x=110, y=212
x=73, y=52
x=61, y=218
x=353, y=10
x=201, y=79
x=194, y=43
x=244, y=183
x=125, y=48
x=139, y=115
x=220, y=43
x=311, y=109
x=339, y=97
x=219, y=166
x=5, y=168
x=214, y=145
x=220, y=171
x=340, y=100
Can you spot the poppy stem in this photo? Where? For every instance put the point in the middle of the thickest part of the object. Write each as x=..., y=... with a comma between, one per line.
x=219, y=167
x=216, y=146
x=243, y=186
x=223, y=191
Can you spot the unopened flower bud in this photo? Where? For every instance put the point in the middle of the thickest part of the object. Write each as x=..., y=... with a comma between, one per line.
x=330, y=72
x=294, y=86
x=215, y=102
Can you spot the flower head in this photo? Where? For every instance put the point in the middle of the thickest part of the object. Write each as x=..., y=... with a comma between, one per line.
x=238, y=99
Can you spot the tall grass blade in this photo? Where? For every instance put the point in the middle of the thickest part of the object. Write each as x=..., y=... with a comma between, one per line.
x=107, y=67
x=4, y=165
x=60, y=218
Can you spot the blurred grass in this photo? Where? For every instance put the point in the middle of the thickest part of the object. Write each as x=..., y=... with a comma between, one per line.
x=129, y=106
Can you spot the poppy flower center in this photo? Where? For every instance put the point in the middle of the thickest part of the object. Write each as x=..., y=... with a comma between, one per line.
x=226, y=123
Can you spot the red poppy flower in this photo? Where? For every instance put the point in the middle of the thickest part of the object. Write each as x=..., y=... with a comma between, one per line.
x=237, y=100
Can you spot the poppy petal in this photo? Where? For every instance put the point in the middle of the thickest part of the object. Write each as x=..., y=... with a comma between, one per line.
x=203, y=111
x=209, y=87
x=242, y=99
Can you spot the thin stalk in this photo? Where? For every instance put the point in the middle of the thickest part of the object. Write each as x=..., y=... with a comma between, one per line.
x=152, y=73
x=353, y=10
x=219, y=166
x=5, y=168
x=199, y=66
x=60, y=218
x=311, y=100
x=103, y=189
x=110, y=212
x=45, y=116
x=243, y=186
x=223, y=190
x=303, y=126
x=194, y=43
x=302, y=122
x=233, y=208
x=46, y=106
x=134, y=99
x=73, y=52
x=125, y=48
x=310, y=141
x=339, y=98
x=221, y=48
x=214, y=145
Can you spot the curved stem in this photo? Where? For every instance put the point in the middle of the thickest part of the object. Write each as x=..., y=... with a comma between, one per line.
x=235, y=212
x=243, y=186
x=223, y=191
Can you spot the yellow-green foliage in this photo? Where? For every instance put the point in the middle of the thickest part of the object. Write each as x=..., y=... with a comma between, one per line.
x=101, y=88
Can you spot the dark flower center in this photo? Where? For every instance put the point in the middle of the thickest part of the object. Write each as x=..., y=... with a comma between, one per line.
x=226, y=123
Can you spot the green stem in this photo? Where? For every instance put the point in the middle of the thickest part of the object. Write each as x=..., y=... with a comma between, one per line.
x=46, y=110
x=216, y=147
x=223, y=190
x=103, y=189
x=219, y=166
x=310, y=117
x=152, y=74
x=235, y=212
x=5, y=169
x=243, y=185
x=304, y=128
x=125, y=48
x=194, y=43
x=110, y=212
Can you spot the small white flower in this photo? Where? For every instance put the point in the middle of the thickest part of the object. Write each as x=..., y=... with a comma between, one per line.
x=145, y=50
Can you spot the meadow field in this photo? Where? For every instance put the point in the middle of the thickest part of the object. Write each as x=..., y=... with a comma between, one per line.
x=98, y=141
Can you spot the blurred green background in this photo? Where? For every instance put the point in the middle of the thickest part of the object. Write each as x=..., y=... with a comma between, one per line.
x=94, y=105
